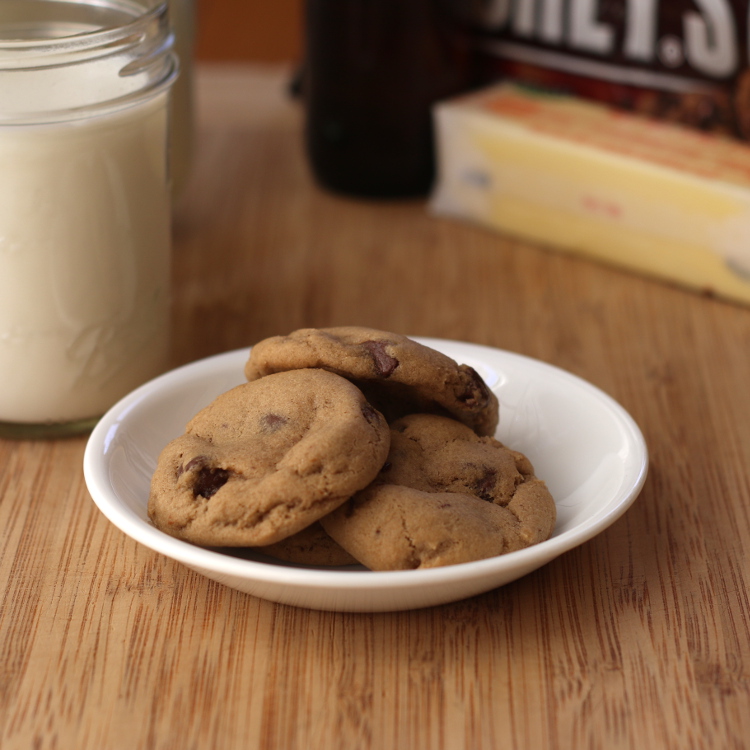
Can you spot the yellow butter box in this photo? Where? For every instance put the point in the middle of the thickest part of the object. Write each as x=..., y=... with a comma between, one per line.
x=653, y=197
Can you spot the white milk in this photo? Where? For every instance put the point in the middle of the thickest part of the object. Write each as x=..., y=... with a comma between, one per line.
x=84, y=254
x=83, y=274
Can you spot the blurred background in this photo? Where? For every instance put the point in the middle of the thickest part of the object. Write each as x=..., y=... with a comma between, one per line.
x=253, y=30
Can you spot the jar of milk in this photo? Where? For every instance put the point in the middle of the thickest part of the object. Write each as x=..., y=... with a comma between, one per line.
x=84, y=207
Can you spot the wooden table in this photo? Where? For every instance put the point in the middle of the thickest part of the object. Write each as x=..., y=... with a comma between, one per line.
x=639, y=638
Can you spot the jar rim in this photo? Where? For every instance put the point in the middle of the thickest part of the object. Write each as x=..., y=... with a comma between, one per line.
x=110, y=67
x=97, y=37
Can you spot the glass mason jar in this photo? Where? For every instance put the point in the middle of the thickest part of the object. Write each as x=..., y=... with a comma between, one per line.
x=182, y=14
x=84, y=208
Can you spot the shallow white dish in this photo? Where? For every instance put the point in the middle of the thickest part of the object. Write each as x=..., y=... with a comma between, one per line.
x=582, y=443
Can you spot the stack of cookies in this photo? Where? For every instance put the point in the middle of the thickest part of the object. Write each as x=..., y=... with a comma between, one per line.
x=351, y=445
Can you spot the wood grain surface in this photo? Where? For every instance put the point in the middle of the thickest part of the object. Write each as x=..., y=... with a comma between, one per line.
x=639, y=638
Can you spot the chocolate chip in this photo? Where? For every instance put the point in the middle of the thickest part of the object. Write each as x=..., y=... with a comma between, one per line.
x=370, y=414
x=209, y=481
x=272, y=422
x=475, y=394
x=193, y=462
x=385, y=364
x=486, y=484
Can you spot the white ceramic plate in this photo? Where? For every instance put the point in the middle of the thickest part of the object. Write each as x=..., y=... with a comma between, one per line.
x=587, y=448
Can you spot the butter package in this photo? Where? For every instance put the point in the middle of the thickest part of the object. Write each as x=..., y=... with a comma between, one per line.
x=652, y=197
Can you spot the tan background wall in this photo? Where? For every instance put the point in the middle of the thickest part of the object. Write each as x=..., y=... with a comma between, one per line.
x=259, y=30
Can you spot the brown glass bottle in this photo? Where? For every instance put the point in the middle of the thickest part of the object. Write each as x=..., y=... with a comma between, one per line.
x=373, y=68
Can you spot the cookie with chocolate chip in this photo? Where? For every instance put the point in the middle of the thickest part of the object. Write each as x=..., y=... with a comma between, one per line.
x=267, y=459
x=398, y=376
x=444, y=496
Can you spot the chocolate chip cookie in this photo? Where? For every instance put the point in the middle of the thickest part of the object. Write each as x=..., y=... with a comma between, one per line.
x=444, y=496
x=397, y=375
x=311, y=546
x=267, y=459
